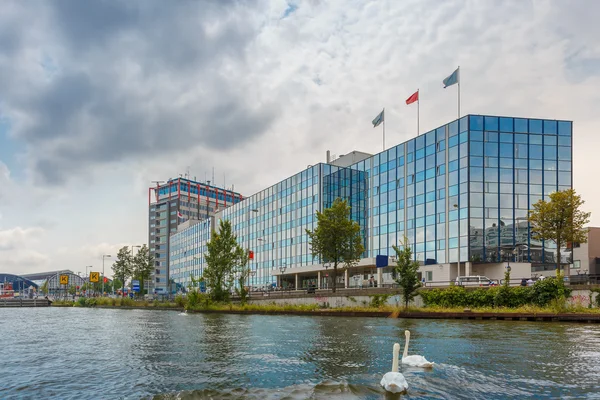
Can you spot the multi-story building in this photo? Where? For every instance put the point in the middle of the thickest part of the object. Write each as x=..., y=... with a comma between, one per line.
x=459, y=194
x=173, y=203
x=586, y=256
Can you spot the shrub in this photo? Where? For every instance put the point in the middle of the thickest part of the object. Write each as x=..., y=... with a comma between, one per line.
x=180, y=300
x=379, y=300
x=548, y=289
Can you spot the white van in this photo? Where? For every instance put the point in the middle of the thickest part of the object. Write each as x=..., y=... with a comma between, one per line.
x=472, y=281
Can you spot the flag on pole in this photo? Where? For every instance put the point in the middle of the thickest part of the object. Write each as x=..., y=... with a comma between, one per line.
x=378, y=119
x=452, y=79
x=180, y=215
x=414, y=97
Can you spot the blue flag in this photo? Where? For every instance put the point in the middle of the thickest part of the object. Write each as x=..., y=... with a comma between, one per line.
x=378, y=119
x=452, y=79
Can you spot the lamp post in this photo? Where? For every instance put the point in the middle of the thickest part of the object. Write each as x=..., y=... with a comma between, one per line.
x=88, y=279
x=282, y=269
x=103, y=257
x=326, y=265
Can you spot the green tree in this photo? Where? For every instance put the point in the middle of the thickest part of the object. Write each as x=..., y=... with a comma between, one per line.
x=122, y=268
x=143, y=264
x=44, y=288
x=222, y=256
x=406, y=272
x=336, y=239
x=559, y=220
x=242, y=270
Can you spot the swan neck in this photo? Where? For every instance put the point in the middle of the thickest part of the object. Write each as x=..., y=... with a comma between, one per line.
x=405, y=354
x=395, y=358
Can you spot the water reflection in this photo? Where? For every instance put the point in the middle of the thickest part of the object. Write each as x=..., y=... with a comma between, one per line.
x=163, y=355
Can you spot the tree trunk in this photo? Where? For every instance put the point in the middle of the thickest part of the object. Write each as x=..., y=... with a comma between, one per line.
x=334, y=278
x=558, y=243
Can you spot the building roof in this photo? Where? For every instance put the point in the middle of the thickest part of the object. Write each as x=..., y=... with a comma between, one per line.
x=40, y=276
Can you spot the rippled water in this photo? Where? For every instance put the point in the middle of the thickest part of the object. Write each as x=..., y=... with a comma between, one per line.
x=71, y=353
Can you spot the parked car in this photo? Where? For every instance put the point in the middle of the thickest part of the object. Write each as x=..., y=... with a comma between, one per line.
x=476, y=280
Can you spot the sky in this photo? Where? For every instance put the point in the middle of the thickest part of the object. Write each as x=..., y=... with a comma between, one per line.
x=100, y=98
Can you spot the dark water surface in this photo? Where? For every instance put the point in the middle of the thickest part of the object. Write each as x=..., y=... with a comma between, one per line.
x=75, y=353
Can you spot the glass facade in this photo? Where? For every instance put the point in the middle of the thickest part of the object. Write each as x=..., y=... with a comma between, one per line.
x=458, y=193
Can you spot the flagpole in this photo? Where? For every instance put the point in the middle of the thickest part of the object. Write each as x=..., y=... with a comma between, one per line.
x=418, y=106
x=458, y=91
x=384, y=128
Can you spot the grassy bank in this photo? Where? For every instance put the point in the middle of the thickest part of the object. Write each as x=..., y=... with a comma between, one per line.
x=110, y=302
x=394, y=312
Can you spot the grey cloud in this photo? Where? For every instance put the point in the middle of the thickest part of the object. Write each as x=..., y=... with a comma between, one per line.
x=136, y=79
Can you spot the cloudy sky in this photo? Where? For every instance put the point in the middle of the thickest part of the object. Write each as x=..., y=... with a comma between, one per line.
x=99, y=98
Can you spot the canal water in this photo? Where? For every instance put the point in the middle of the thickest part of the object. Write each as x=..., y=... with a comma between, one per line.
x=76, y=353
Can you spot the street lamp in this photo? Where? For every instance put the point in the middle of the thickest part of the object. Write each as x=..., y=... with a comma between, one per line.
x=282, y=269
x=103, y=257
x=88, y=279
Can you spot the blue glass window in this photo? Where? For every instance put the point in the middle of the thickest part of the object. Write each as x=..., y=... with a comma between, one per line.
x=491, y=123
x=429, y=150
x=477, y=136
x=491, y=137
x=453, y=128
x=519, y=138
x=440, y=133
x=506, y=124
x=476, y=149
x=564, y=178
x=476, y=174
x=535, y=151
x=550, y=152
x=535, y=126
x=535, y=164
x=521, y=125
x=464, y=137
x=564, y=166
x=549, y=127
x=563, y=140
x=564, y=128
x=476, y=161
x=564, y=153
x=506, y=150
x=476, y=122
x=491, y=149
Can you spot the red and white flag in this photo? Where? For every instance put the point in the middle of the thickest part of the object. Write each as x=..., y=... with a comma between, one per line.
x=179, y=214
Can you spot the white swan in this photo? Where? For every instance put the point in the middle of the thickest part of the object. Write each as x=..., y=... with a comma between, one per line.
x=394, y=381
x=414, y=361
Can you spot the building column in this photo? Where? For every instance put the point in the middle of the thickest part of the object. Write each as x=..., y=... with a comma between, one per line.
x=346, y=278
x=379, y=276
x=468, y=268
x=318, y=279
x=296, y=285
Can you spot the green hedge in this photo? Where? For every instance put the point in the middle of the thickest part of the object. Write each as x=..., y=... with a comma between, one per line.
x=540, y=294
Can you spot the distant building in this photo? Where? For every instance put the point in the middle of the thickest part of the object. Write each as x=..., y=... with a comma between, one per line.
x=586, y=256
x=171, y=204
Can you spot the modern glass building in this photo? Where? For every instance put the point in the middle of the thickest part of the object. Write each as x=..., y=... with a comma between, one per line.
x=459, y=194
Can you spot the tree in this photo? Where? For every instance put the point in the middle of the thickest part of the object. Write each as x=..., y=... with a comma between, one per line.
x=143, y=264
x=559, y=220
x=122, y=268
x=336, y=239
x=44, y=288
x=406, y=272
x=242, y=273
x=222, y=256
